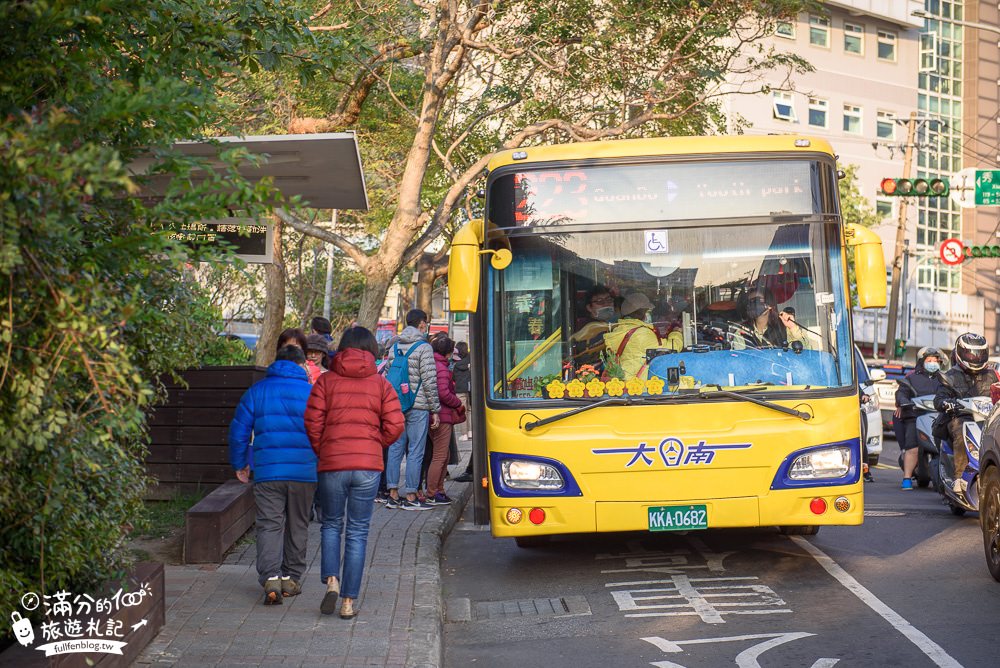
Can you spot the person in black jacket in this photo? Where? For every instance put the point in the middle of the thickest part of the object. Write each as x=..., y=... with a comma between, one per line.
x=462, y=374
x=463, y=387
x=925, y=379
x=968, y=377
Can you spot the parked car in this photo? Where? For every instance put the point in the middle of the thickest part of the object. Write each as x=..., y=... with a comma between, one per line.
x=250, y=340
x=886, y=388
x=871, y=420
x=989, y=485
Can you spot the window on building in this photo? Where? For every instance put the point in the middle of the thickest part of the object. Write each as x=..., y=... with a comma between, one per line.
x=883, y=208
x=887, y=45
x=818, y=112
x=785, y=29
x=819, y=30
x=784, y=106
x=852, y=119
x=928, y=52
x=885, y=125
x=854, y=38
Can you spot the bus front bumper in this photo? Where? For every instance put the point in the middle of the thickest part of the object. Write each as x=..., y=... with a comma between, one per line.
x=789, y=507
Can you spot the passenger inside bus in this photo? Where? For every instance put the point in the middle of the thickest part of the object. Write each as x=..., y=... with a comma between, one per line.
x=595, y=321
x=632, y=336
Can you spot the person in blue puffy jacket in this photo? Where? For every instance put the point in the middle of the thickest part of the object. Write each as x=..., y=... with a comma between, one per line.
x=272, y=412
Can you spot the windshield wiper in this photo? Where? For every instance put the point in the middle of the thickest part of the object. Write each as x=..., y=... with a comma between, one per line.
x=612, y=401
x=754, y=400
x=701, y=394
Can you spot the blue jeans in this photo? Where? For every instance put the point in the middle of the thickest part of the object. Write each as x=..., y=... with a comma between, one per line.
x=353, y=493
x=412, y=441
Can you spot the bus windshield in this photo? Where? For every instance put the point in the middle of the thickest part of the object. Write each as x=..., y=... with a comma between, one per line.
x=656, y=311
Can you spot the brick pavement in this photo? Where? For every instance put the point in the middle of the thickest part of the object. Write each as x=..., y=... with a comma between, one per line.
x=215, y=615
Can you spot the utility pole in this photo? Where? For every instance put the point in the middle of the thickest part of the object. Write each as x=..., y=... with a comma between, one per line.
x=897, y=259
x=328, y=286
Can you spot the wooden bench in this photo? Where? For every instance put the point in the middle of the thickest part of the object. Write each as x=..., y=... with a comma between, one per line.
x=215, y=523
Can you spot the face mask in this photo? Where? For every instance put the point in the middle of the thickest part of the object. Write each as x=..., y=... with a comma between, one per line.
x=606, y=313
x=932, y=367
x=757, y=309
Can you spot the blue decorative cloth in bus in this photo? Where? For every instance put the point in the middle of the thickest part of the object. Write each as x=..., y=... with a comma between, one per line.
x=748, y=367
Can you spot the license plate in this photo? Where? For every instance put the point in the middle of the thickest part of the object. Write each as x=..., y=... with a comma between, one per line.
x=678, y=518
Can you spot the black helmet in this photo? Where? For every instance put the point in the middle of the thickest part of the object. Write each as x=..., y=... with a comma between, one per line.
x=971, y=352
x=928, y=351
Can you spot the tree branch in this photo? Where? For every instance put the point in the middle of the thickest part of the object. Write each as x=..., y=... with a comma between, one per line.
x=352, y=251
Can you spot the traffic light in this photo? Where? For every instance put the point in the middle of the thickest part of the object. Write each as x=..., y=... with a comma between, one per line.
x=899, y=349
x=936, y=187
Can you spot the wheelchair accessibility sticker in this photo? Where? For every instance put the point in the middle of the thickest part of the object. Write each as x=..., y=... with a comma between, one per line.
x=656, y=242
x=672, y=452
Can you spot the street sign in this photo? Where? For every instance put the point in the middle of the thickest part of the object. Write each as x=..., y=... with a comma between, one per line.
x=988, y=187
x=952, y=252
x=975, y=187
x=962, y=188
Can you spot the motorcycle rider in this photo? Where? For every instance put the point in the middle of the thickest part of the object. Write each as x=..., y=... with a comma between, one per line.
x=968, y=377
x=925, y=379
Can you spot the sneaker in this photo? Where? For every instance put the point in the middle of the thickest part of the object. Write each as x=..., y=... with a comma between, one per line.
x=329, y=604
x=272, y=591
x=959, y=486
x=416, y=504
x=441, y=499
x=290, y=587
x=464, y=477
x=907, y=485
x=393, y=504
x=381, y=497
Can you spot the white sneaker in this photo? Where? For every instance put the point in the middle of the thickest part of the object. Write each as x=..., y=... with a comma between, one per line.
x=959, y=486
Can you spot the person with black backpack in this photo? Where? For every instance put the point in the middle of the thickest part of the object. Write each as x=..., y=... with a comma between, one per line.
x=412, y=372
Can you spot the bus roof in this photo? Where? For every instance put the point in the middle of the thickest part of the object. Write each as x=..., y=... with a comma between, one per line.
x=627, y=148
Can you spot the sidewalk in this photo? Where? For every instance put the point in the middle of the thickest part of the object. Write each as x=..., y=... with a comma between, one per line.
x=215, y=615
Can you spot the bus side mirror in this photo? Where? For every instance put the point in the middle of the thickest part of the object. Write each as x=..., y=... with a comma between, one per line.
x=869, y=266
x=464, y=266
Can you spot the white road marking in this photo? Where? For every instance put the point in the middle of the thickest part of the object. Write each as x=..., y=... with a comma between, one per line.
x=933, y=651
x=745, y=659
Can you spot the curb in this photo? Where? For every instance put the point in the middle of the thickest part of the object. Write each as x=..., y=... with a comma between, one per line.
x=425, y=648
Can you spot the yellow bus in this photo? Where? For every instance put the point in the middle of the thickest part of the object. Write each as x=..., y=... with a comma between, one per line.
x=662, y=337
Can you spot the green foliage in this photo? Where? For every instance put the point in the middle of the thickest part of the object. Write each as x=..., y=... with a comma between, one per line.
x=96, y=302
x=854, y=208
x=160, y=518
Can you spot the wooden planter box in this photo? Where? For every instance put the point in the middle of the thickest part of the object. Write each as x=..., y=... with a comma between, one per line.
x=152, y=609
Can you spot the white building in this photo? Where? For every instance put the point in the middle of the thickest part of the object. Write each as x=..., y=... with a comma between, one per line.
x=868, y=57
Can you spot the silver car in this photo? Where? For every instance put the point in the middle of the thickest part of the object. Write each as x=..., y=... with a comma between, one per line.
x=871, y=418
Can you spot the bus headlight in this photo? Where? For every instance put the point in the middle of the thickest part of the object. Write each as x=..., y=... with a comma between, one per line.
x=524, y=474
x=820, y=464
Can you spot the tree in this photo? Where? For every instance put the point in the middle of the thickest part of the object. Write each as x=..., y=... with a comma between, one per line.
x=468, y=77
x=96, y=301
x=857, y=209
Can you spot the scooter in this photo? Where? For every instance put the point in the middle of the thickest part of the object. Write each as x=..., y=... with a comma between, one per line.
x=976, y=408
x=927, y=446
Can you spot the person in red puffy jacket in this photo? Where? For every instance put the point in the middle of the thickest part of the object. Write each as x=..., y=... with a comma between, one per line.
x=351, y=416
x=452, y=413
